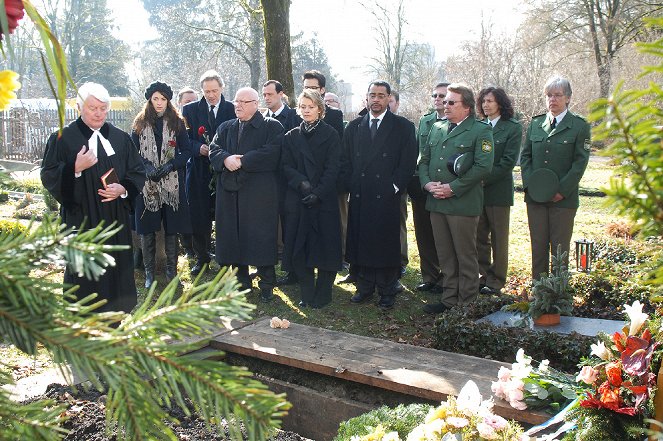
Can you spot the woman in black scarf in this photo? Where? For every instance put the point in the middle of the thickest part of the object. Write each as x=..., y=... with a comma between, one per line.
x=160, y=134
x=311, y=164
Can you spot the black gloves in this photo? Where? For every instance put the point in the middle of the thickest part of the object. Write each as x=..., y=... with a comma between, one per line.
x=151, y=172
x=163, y=171
x=310, y=200
x=305, y=188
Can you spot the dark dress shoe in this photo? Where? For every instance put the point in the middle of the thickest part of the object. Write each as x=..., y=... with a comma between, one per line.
x=350, y=278
x=290, y=279
x=361, y=297
x=487, y=290
x=303, y=304
x=435, y=308
x=426, y=286
x=387, y=302
x=399, y=287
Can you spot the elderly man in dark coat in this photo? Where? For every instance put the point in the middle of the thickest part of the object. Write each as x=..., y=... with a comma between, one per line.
x=379, y=157
x=74, y=163
x=245, y=155
x=203, y=117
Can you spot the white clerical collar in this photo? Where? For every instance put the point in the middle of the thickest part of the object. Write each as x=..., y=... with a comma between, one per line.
x=92, y=143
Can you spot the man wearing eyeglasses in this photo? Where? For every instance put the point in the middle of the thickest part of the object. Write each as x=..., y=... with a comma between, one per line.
x=423, y=231
x=202, y=118
x=245, y=155
x=379, y=157
x=458, y=154
x=554, y=157
x=332, y=100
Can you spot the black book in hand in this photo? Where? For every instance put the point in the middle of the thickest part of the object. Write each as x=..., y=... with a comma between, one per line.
x=110, y=177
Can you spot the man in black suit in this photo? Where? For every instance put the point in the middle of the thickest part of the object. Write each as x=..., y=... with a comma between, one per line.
x=202, y=119
x=272, y=94
x=379, y=157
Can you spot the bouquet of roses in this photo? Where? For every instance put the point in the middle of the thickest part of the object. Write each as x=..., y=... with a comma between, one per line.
x=525, y=386
x=620, y=382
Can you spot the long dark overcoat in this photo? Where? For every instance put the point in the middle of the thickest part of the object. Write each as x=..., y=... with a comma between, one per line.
x=369, y=171
x=198, y=174
x=315, y=231
x=246, y=199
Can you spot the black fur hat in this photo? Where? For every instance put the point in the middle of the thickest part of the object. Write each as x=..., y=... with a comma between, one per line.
x=158, y=86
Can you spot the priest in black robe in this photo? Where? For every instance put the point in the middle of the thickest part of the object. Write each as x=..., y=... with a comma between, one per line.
x=72, y=169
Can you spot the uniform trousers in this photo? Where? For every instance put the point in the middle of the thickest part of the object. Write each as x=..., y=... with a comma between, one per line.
x=493, y=245
x=548, y=227
x=455, y=241
x=423, y=232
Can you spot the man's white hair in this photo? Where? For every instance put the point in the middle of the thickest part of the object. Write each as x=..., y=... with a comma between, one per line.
x=93, y=89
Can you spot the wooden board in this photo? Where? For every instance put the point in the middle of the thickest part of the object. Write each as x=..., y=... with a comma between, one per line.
x=413, y=370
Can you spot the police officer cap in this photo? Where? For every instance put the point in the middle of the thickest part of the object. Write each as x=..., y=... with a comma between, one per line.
x=160, y=87
x=543, y=185
x=459, y=163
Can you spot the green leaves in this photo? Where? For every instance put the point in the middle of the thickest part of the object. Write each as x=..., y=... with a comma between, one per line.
x=141, y=359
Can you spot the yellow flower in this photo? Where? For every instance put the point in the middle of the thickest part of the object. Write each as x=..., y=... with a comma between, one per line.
x=8, y=86
x=439, y=412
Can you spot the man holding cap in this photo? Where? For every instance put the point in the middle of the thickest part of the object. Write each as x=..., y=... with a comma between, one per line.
x=454, y=160
x=553, y=160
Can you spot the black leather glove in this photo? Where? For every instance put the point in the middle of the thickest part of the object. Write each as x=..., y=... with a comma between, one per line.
x=151, y=172
x=163, y=171
x=310, y=200
x=305, y=188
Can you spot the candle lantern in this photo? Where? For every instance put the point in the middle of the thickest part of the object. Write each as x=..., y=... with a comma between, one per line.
x=584, y=253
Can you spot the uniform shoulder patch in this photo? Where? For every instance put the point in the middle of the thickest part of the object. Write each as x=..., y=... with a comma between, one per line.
x=587, y=145
x=486, y=146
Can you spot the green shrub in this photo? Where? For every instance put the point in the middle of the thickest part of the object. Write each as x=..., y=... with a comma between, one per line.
x=12, y=227
x=4, y=197
x=401, y=419
x=26, y=201
x=33, y=211
x=51, y=203
x=457, y=331
x=31, y=185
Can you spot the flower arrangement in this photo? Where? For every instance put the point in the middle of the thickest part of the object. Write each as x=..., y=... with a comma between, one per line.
x=525, y=386
x=613, y=391
x=467, y=418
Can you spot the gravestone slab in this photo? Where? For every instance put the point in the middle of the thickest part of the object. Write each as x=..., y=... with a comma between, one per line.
x=584, y=326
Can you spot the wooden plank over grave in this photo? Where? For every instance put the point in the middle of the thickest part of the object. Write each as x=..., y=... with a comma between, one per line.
x=421, y=372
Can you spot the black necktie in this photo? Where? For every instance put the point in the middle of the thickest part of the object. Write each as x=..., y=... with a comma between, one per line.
x=212, y=118
x=553, y=123
x=451, y=127
x=239, y=132
x=374, y=128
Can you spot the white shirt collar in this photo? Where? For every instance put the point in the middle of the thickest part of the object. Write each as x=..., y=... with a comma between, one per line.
x=278, y=112
x=559, y=117
x=380, y=117
x=494, y=121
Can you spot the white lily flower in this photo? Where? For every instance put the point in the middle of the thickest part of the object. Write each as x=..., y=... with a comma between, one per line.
x=601, y=351
x=635, y=316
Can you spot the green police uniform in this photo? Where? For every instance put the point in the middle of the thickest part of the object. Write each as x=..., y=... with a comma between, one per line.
x=423, y=231
x=564, y=150
x=493, y=229
x=455, y=219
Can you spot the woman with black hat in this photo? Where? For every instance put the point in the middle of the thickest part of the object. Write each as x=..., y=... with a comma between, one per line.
x=160, y=134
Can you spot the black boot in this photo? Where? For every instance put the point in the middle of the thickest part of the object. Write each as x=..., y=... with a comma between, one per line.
x=170, y=241
x=149, y=245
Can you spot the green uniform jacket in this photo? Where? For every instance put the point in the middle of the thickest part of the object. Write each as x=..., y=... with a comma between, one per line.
x=469, y=136
x=425, y=124
x=564, y=150
x=498, y=186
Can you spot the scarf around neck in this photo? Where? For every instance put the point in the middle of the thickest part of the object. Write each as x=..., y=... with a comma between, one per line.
x=166, y=191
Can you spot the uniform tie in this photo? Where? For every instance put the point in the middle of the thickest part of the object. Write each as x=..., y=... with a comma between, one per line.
x=553, y=123
x=451, y=127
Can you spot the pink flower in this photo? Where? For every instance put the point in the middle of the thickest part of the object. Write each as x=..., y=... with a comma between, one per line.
x=486, y=431
x=519, y=405
x=588, y=375
x=504, y=374
x=457, y=422
x=495, y=421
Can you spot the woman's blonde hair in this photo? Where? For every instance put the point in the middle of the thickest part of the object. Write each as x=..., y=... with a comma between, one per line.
x=314, y=96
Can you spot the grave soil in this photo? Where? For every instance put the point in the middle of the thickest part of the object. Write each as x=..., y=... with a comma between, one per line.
x=87, y=419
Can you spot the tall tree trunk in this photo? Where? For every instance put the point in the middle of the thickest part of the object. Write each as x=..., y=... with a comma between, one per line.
x=277, y=44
